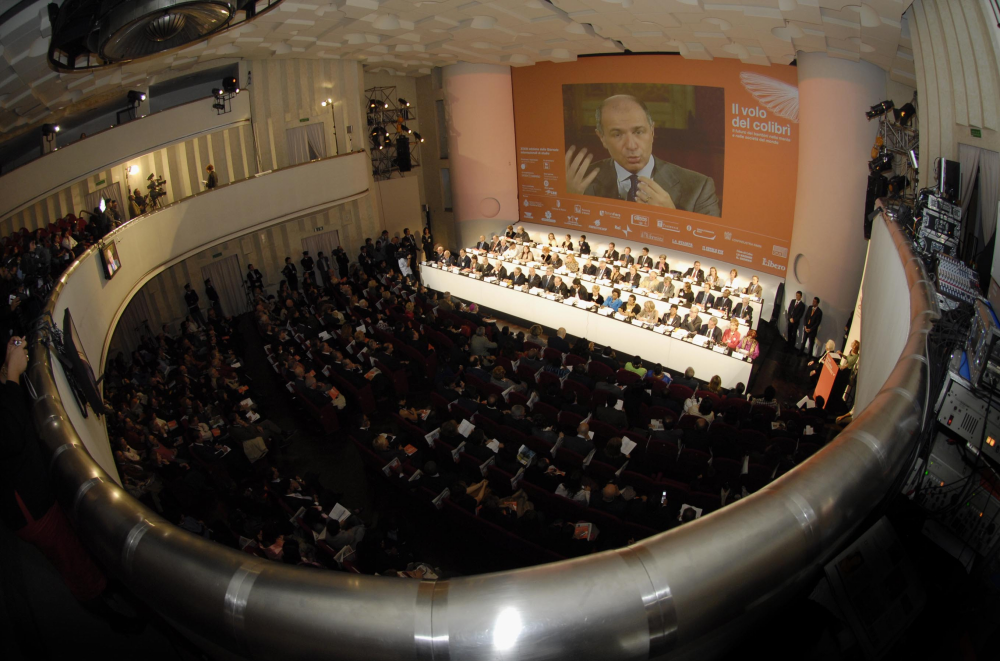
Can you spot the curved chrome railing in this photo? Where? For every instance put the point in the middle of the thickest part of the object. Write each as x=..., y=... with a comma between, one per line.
x=661, y=596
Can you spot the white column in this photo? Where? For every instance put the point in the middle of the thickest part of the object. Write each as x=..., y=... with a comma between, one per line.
x=828, y=247
x=480, y=124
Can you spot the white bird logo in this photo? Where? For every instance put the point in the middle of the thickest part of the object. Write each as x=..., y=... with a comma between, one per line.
x=779, y=97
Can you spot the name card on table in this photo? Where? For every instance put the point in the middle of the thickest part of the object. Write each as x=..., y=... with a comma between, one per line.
x=504, y=284
x=680, y=333
x=605, y=312
x=535, y=291
x=490, y=279
x=715, y=313
x=659, y=328
x=571, y=301
x=719, y=348
x=551, y=297
x=700, y=340
x=620, y=316
x=675, y=301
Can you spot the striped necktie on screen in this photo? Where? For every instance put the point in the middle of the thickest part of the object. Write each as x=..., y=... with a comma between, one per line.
x=634, y=187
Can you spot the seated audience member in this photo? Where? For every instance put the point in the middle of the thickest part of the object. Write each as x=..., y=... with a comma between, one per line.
x=750, y=345
x=635, y=365
x=595, y=295
x=610, y=414
x=648, y=314
x=715, y=386
x=581, y=443
x=700, y=408
x=768, y=400
x=688, y=380
x=572, y=487
x=558, y=341
x=480, y=345
x=631, y=308
x=657, y=372
x=535, y=336
x=686, y=294
x=612, y=453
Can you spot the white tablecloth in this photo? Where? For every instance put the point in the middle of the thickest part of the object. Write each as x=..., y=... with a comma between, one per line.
x=661, y=305
x=653, y=347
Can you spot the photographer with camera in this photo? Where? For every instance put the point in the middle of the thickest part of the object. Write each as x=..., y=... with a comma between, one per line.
x=157, y=190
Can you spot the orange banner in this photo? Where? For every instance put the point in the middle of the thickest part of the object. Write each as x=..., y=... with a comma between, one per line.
x=694, y=156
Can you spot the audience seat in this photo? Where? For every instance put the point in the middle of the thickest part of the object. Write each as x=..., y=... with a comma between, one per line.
x=571, y=359
x=625, y=377
x=599, y=370
x=679, y=393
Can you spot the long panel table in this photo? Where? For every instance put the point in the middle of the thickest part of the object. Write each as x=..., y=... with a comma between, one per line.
x=652, y=346
x=756, y=303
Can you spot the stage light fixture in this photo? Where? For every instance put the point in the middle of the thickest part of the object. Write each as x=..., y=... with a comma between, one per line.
x=229, y=85
x=405, y=129
x=913, y=159
x=216, y=91
x=49, y=130
x=417, y=136
x=881, y=163
x=133, y=170
x=136, y=97
x=403, y=103
x=905, y=114
x=897, y=185
x=879, y=109
x=372, y=105
x=323, y=103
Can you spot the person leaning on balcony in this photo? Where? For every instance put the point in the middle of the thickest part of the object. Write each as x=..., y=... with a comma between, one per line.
x=213, y=179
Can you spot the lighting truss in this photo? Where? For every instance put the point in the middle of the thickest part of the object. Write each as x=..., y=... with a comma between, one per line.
x=384, y=116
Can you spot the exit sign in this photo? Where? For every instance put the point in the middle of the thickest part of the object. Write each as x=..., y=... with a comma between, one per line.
x=318, y=229
x=304, y=119
x=218, y=254
x=101, y=182
x=976, y=133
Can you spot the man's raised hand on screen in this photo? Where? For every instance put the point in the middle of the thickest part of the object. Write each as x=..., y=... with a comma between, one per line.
x=652, y=193
x=577, y=178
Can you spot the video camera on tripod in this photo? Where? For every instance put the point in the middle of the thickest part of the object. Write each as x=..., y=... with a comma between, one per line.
x=157, y=189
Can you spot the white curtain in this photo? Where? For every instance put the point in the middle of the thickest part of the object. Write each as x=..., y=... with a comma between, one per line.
x=112, y=192
x=227, y=278
x=305, y=143
x=984, y=164
x=324, y=242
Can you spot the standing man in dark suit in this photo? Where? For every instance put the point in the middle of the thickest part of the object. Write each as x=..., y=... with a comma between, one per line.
x=323, y=264
x=291, y=274
x=307, y=265
x=796, y=309
x=632, y=173
x=255, y=279
x=583, y=245
x=813, y=318
x=191, y=298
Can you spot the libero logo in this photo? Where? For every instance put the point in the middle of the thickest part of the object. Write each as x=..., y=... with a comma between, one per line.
x=771, y=265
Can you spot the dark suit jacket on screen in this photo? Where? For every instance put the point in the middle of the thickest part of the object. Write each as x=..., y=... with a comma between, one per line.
x=689, y=190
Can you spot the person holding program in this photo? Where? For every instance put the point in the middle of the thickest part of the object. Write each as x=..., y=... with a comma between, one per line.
x=632, y=173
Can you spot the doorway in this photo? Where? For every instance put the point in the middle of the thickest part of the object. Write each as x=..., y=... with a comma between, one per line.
x=227, y=277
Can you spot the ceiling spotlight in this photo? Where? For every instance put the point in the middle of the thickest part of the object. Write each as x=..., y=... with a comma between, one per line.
x=229, y=85
x=216, y=91
x=136, y=97
x=386, y=105
x=405, y=129
x=879, y=109
x=404, y=103
x=330, y=101
x=372, y=105
x=417, y=136
x=49, y=130
x=905, y=114
x=133, y=170
x=323, y=103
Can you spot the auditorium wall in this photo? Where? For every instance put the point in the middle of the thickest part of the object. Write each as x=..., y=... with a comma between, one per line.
x=431, y=99
x=956, y=49
x=231, y=150
x=266, y=250
x=288, y=93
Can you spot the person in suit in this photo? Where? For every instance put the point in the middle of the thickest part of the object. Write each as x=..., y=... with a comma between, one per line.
x=533, y=280
x=754, y=288
x=291, y=274
x=692, y=323
x=583, y=245
x=666, y=285
x=499, y=271
x=610, y=415
x=662, y=265
x=617, y=276
x=651, y=283
x=705, y=298
x=711, y=330
x=255, y=279
x=695, y=273
x=496, y=244
x=633, y=277
x=581, y=442
x=522, y=234
x=589, y=268
x=482, y=244
x=548, y=280
x=644, y=261
x=813, y=318
x=632, y=173
x=611, y=255
x=743, y=311
x=671, y=317
x=323, y=265
x=517, y=278
x=559, y=287
x=631, y=307
x=796, y=309
x=603, y=272
x=558, y=341
x=579, y=291
x=464, y=261
x=626, y=258
x=724, y=303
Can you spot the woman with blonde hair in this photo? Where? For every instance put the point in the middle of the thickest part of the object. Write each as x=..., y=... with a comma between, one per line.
x=731, y=338
x=648, y=314
x=715, y=385
x=571, y=264
x=552, y=240
x=595, y=295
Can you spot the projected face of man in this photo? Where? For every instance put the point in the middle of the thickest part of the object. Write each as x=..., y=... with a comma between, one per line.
x=626, y=133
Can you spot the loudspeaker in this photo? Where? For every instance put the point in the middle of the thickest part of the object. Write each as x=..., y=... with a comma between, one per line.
x=403, y=153
x=950, y=180
x=878, y=186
